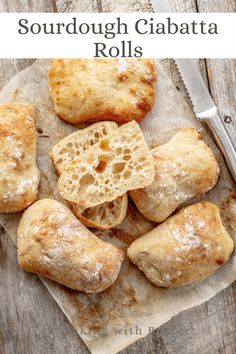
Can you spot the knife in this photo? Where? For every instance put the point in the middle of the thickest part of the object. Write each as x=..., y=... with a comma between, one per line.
x=203, y=104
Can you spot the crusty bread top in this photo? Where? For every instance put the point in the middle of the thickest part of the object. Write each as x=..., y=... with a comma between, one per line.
x=186, y=248
x=119, y=163
x=54, y=244
x=73, y=145
x=184, y=168
x=19, y=178
x=91, y=90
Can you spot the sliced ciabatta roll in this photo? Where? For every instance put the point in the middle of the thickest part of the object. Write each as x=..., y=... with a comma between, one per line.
x=106, y=215
x=118, y=163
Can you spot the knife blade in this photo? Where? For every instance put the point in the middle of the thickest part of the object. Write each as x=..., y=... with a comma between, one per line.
x=203, y=104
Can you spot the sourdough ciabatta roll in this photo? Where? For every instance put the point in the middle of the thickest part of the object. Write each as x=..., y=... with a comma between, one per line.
x=92, y=90
x=185, y=249
x=108, y=214
x=118, y=163
x=184, y=167
x=54, y=244
x=103, y=216
x=19, y=177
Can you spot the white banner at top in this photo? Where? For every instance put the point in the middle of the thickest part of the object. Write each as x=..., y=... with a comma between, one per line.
x=113, y=35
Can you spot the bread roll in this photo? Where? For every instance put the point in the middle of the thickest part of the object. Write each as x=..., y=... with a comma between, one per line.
x=54, y=244
x=19, y=178
x=118, y=163
x=184, y=167
x=104, y=216
x=92, y=90
x=185, y=249
x=108, y=214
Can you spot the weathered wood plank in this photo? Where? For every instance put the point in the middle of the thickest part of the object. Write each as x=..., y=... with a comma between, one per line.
x=222, y=72
x=9, y=67
x=25, y=6
x=30, y=320
x=216, y=6
x=126, y=6
x=77, y=6
x=210, y=328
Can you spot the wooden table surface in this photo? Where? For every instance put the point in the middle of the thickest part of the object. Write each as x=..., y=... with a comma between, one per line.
x=30, y=320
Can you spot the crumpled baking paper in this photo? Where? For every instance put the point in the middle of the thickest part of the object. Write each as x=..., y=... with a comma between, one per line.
x=132, y=307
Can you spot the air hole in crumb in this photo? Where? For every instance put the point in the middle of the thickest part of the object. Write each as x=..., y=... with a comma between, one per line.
x=106, y=157
x=104, y=145
x=138, y=168
x=75, y=177
x=127, y=157
x=118, y=167
x=100, y=168
x=85, y=181
x=126, y=174
x=127, y=151
x=103, y=215
x=110, y=205
x=118, y=151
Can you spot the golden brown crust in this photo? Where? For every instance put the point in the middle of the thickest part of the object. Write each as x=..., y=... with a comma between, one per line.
x=54, y=244
x=184, y=167
x=20, y=176
x=184, y=249
x=92, y=90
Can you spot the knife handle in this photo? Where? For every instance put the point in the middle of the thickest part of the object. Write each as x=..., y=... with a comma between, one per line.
x=224, y=142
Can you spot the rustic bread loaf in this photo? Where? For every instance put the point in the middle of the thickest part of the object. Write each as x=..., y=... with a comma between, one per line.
x=19, y=178
x=118, y=163
x=184, y=167
x=185, y=249
x=92, y=90
x=108, y=214
x=54, y=244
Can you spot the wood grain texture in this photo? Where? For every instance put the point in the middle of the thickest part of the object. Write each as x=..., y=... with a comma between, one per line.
x=77, y=5
x=25, y=6
x=216, y=6
x=222, y=90
x=30, y=321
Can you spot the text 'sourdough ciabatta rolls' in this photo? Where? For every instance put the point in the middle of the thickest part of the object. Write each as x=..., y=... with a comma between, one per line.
x=118, y=163
x=184, y=168
x=92, y=90
x=54, y=244
x=71, y=147
x=186, y=248
x=19, y=178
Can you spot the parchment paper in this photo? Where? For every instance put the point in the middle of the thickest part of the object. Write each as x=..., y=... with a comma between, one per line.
x=132, y=306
